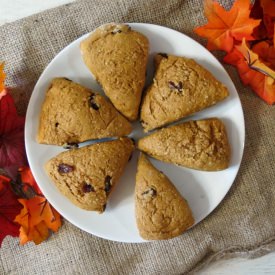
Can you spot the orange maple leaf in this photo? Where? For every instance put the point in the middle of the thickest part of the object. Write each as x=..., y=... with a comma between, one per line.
x=266, y=53
x=28, y=180
x=253, y=60
x=224, y=27
x=36, y=218
x=262, y=84
x=2, y=78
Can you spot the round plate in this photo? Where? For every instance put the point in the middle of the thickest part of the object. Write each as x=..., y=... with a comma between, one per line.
x=203, y=190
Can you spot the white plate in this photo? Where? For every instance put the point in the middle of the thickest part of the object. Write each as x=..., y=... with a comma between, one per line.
x=203, y=190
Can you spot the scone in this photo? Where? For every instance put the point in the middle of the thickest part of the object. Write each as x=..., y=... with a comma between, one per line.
x=180, y=87
x=117, y=57
x=87, y=176
x=201, y=145
x=161, y=211
x=72, y=113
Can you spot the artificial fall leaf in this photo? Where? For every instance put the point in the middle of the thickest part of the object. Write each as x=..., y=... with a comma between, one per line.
x=224, y=27
x=269, y=22
x=12, y=149
x=27, y=178
x=260, y=32
x=265, y=10
x=36, y=218
x=268, y=7
x=253, y=60
x=25, y=185
x=266, y=53
x=2, y=78
x=9, y=208
x=263, y=85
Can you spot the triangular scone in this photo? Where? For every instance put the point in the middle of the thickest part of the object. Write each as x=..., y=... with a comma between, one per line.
x=181, y=87
x=72, y=113
x=117, y=57
x=161, y=211
x=201, y=145
x=87, y=175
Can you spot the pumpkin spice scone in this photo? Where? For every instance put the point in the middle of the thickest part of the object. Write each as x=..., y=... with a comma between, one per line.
x=161, y=211
x=180, y=87
x=117, y=57
x=72, y=113
x=201, y=145
x=87, y=176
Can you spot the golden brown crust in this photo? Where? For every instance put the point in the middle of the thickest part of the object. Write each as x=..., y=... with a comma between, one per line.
x=181, y=87
x=86, y=176
x=72, y=113
x=117, y=57
x=201, y=145
x=161, y=211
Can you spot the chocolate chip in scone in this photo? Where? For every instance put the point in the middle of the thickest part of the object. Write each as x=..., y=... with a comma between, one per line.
x=163, y=55
x=108, y=185
x=173, y=86
x=87, y=188
x=151, y=192
x=56, y=124
x=92, y=102
x=64, y=168
x=70, y=145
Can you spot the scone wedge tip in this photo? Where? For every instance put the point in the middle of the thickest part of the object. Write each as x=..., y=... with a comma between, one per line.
x=161, y=212
x=117, y=57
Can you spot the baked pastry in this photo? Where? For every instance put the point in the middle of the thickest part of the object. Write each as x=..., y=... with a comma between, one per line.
x=161, y=211
x=117, y=57
x=180, y=87
x=72, y=113
x=87, y=176
x=201, y=145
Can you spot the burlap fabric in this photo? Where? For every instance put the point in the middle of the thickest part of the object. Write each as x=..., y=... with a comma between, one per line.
x=243, y=224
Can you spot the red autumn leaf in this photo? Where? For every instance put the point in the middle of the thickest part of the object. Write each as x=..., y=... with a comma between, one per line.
x=9, y=208
x=265, y=10
x=269, y=22
x=224, y=27
x=268, y=7
x=12, y=150
x=260, y=31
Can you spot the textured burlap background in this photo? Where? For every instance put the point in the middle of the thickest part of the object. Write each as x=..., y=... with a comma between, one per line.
x=244, y=223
